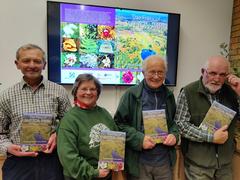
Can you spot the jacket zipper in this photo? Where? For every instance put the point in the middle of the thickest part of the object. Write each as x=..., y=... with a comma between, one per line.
x=216, y=149
x=155, y=95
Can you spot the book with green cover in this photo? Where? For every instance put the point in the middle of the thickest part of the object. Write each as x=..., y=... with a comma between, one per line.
x=35, y=131
x=155, y=124
x=217, y=116
x=112, y=150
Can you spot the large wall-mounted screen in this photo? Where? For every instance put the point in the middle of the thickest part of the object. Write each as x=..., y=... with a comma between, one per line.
x=110, y=43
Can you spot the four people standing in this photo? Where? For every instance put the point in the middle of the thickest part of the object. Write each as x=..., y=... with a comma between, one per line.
x=206, y=155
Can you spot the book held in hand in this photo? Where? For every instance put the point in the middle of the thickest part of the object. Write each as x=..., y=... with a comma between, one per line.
x=155, y=124
x=35, y=131
x=217, y=116
x=112, y=150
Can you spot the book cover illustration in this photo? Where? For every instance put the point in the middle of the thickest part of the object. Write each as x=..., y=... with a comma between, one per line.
x=112, y=150
x=217, y=116
x=35, y=131
x=155, y=124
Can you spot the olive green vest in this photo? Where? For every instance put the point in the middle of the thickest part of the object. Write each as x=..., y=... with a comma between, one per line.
x=206, y=154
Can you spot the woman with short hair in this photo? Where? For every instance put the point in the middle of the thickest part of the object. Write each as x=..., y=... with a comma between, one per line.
x=79, y=131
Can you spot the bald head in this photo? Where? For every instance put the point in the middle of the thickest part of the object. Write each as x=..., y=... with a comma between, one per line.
x=218, y=61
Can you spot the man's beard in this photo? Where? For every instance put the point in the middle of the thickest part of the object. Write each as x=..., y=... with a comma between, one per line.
x=213, y=88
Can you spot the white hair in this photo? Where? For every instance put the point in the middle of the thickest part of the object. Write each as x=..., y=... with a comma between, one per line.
x=153, y=57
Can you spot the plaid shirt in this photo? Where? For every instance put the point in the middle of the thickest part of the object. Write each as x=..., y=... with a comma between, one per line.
x=182, y=118
x=19, y=99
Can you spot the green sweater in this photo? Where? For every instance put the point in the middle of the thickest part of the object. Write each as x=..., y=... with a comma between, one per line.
x=129, y=117
x=206, y=154
x=78, y=141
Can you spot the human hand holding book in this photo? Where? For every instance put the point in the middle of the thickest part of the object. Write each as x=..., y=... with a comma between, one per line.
x=220, y=136
x=103, y=173
x=148, y=142
x=52, y=143
x=170, y=140
x=16, y=150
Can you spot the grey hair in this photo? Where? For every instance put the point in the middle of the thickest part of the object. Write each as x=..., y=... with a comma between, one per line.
x=205, y=66
x=84, y=78
x=153, y=57
x=29, y=47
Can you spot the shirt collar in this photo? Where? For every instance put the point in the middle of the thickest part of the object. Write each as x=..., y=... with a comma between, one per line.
x=145, y=86
x=24, y=84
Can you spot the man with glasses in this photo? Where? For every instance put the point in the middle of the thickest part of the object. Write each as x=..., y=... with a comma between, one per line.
x=146, y=159
x=208, y=155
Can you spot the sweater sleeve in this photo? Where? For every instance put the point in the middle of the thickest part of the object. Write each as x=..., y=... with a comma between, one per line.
x=172, y=126
x=73, y=163
x=123, y=118
x=5, y=120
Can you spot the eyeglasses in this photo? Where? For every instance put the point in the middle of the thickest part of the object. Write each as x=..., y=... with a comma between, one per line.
x=156, y=73
x=214, y=74
x=85, y=90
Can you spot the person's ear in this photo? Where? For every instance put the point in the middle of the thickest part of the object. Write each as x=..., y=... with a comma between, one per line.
x=44, y=64
x=17, y=64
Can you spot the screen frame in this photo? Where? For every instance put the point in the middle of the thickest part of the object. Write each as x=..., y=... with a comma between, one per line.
x=53, y=40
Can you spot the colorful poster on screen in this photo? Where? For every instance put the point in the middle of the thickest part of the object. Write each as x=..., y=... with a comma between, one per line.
x=109, y=43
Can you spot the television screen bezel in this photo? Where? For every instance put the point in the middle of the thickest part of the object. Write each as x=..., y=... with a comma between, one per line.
x=53, y=40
